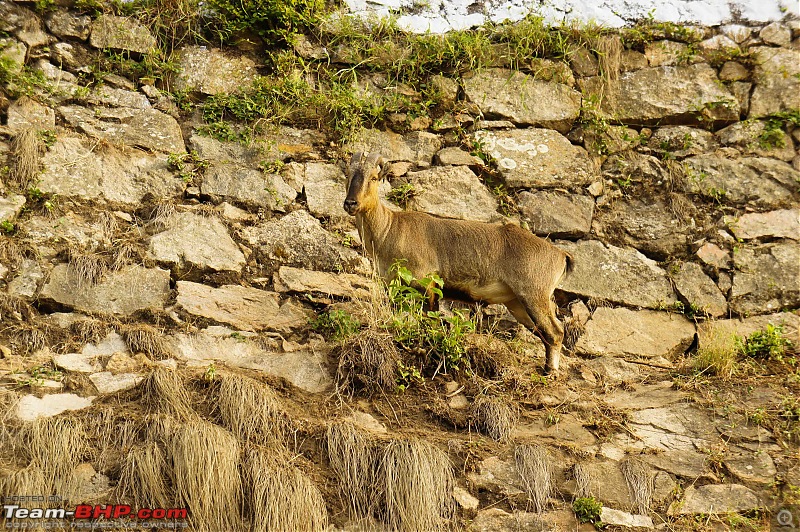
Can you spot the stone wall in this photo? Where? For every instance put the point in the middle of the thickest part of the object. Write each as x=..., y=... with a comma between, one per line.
x=673, y=179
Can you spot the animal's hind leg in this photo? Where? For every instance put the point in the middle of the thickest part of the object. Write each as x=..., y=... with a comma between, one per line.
x=517, y=310
x=542, y=310
x=542, y=326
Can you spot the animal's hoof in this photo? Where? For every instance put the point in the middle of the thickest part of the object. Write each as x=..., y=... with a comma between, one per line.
x=551, y=372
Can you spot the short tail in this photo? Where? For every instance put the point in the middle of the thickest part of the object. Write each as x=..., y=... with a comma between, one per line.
x=570, y=264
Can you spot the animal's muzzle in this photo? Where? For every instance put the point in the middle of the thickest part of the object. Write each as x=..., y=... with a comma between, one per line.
x=350, y=206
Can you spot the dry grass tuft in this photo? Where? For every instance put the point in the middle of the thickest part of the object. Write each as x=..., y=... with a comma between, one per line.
x=90, y=330
x=54, y=445
x=535, y=469
x=368, y=361
x=143, y=480
x=206, y=210
x=28, y=338
x=15, y=308
x=160, y=427
x=124, y=253
x=675, y=179
x=251, y=410
x=87, y=268
x=143, y=338
x=163, y=391
x=489, y=356
x=640, y=483
x=573, y=330
x=280, y=497
x=205, y=461
x=352, y=454
x=609, y=52
x=108, y=224
x=29, y=482
x=583, y=481
x=418, y=481
x=161, y=214
x=112, y=431
x=494, y=417
x=595, y=303
x=376, y=310
x=680, y=206
x=12, y=253
x=27, y=151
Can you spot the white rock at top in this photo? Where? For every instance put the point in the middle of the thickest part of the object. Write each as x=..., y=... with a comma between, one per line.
x=440, y=16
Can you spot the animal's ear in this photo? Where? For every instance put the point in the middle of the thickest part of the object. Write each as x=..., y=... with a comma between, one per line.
x=355, y=162
x=385, y=168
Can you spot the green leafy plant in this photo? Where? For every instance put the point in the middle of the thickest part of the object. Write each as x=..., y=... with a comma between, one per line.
x=505, y=203
x=587, y=510
x=690, y=310
x=39, y=199
x=477, y=147
x=407, y=376
x=337, y=324
x=94, y=7
x=7, y=227
x=183, y=100
x=238, y=336
x=21, y=80
x=402, y=194
x=416, y=328
x=287, y=96
x=649, y=29
x=687, y=55
x=48, y=137
x=189, y=165
x=38, y=374
x=272, y=167
x=767, y=344
x=624, y=183
x=43, y=6
x=596, y=124
x=775, y=126
x=757, y=416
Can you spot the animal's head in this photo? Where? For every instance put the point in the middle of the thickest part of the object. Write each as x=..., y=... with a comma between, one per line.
x=363, y=175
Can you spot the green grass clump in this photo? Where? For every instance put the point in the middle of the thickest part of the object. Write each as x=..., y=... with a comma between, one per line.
x=152, y=66
x=273, y=20
x=722, y=353
x=333, y=102
x=21, y=80
x=649, y=30
x=409, y=57
x=336, y=324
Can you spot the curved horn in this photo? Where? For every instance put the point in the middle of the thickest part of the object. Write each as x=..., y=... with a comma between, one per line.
x=355, y=161
x=373, y=159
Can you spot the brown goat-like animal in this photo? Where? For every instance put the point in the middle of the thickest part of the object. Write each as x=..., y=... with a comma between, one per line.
x=493, y=263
